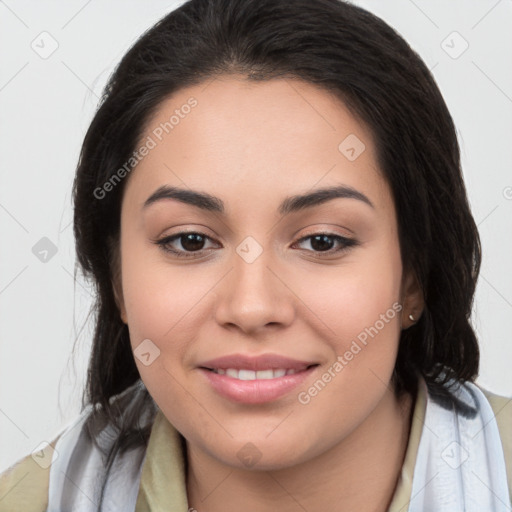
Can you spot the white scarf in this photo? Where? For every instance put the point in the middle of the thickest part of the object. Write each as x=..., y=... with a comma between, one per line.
x=460, y=465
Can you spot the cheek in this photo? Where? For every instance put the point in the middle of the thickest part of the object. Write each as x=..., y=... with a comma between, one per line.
x=161, y=298
x=354, y=296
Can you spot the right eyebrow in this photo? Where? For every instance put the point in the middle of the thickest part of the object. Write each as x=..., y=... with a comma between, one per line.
x=191, y=197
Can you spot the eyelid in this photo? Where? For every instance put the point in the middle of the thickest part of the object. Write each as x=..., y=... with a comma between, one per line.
x=327, y=228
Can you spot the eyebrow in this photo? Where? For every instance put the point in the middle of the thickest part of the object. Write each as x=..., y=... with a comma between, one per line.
x=291, y=204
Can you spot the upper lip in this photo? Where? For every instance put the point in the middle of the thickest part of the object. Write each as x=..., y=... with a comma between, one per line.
x=256, y=363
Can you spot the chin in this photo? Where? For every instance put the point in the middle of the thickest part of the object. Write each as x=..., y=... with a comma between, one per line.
x=257, y=454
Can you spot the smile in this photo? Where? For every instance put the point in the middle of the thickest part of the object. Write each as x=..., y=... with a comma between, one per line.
x=255, y=386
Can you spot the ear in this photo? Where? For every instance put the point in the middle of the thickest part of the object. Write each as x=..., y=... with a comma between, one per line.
x=412, y=299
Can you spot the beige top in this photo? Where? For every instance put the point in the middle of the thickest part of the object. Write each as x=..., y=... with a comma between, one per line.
x=24, y=486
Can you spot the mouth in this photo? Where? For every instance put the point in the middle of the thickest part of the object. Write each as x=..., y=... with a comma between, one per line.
x=245, y=386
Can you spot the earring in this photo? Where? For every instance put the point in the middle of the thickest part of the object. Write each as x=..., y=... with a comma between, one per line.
x=411, y=318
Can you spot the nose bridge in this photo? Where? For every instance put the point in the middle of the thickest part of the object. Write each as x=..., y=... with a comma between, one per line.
x=253, y=296
x=251, y=272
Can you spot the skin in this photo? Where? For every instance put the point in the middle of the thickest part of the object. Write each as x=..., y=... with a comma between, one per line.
x=252, y=145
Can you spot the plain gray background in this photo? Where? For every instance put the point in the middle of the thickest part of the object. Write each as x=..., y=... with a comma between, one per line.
x=47, y=102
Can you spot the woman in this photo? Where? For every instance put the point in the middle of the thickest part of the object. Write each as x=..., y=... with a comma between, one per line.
x=270, y=202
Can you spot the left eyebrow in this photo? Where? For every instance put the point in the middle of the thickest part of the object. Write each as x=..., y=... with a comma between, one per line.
x=320, y=196
x=291, y=204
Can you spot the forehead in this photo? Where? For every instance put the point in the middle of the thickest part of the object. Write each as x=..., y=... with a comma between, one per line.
x=230, y=137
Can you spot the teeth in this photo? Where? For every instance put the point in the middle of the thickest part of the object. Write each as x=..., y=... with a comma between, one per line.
x=253, y=375
x=246, y=375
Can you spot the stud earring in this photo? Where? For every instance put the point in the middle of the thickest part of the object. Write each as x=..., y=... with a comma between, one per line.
x=411, y=318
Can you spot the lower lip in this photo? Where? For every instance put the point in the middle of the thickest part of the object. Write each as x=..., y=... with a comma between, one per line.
x=255, y=391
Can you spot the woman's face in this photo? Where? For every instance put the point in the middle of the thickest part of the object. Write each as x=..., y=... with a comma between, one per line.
x=316, y=281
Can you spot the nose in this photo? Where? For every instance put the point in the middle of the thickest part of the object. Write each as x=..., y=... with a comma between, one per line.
x=254, y=296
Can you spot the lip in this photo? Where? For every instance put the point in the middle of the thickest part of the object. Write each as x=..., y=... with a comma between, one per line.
x=260, y=390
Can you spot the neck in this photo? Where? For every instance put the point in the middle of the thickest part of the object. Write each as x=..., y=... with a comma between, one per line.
x=359, y=473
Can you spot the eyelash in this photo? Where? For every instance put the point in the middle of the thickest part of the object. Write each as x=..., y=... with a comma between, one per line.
x=347, y=243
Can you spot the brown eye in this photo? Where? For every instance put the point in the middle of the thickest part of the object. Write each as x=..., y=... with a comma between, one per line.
x=192, y=241
x=324, y=243
x=188, y=243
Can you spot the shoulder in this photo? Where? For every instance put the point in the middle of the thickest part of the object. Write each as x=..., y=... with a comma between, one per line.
x=502, y=408
x=501, y=405
x=30, y=482
x=24, y=485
